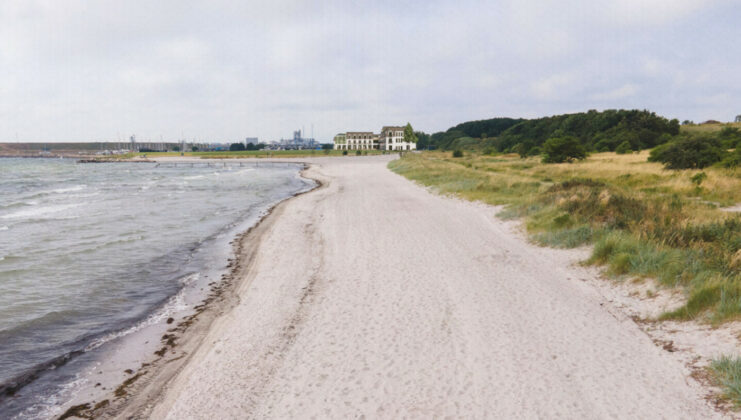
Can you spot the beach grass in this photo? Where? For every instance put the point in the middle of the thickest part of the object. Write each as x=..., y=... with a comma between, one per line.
x=641, y=219
x=726, y=371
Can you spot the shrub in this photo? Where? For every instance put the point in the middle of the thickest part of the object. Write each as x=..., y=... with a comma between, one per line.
x=698, y=178
x=623, y=148
x=358, y=153
x=535, y=151
x=344, y=153
x=732, y=160
x=563, y=149
x=457, y=153
x=689, y=153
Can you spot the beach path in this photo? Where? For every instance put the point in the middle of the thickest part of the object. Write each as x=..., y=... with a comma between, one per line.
x=372, y=297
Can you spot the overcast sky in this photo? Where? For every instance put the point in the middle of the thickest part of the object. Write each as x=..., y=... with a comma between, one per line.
x=224, y=70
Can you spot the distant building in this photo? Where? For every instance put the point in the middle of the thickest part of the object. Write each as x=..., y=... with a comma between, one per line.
x=390, y=139
x=249, y=140
x=361, y=140
x=297, y=142
x=340, y=141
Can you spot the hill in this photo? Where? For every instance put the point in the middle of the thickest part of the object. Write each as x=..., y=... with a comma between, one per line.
x=597, y=130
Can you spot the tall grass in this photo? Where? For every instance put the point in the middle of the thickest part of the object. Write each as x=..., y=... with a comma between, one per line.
x=727, y=372
x=643, y=221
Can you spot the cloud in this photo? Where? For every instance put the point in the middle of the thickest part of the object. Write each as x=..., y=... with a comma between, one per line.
x=224, y=70
x=622, y=92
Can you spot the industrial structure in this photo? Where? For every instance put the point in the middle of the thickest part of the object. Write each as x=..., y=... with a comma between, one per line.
x=298, y=142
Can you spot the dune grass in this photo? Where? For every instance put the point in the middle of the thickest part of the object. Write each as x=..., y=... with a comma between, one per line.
x=727, y=372
x=642, y=220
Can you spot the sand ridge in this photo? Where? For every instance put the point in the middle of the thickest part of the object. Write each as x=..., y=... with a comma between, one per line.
x=372, y=297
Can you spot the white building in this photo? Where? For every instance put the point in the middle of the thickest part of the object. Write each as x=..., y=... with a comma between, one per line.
x=391, y=139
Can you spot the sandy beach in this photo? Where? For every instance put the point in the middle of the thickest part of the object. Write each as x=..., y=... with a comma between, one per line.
x=371, y=297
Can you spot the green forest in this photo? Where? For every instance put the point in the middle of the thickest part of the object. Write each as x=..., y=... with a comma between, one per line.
x=597, y=131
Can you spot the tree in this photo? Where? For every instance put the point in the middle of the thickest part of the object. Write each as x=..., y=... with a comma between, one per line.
x=623, y=148
x=235, y=147
x=563, y=149
x=194, y=149
x=689, y=153
x=409, y=135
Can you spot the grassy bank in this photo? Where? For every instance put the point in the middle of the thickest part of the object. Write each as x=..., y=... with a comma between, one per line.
x=642, y=220
x=247, y=154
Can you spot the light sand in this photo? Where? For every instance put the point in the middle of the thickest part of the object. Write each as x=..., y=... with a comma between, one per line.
x=374, y=297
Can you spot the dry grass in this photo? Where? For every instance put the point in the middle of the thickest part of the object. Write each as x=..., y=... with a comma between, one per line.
x=642, y=219
x=706, y=128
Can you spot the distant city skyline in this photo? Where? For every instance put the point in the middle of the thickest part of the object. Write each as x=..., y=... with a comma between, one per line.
x=224, y=71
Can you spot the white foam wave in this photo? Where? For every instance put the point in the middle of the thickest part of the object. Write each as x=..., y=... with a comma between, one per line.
x=3, y=228
x=174, y=304
x=38, y=211
x=69, y=189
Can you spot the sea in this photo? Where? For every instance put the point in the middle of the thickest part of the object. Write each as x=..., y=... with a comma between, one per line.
x=92, y=253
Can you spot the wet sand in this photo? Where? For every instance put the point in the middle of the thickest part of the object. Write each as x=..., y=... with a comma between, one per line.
x=373, y=297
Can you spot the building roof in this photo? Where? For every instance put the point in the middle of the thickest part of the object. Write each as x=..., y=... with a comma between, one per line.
x=392, y=127
x=360, y=132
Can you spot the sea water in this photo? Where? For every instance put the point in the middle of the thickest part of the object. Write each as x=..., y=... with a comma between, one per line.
x=89, y=252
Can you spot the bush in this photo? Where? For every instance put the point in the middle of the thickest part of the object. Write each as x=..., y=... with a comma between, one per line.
x=236, y=147
x=535, y=151
x=358, y=153
x=457, y=153
x=689, y=153
x=563, y=149
x=698, y=178
x=623, y=148
x=732, y=160
x=344, y=153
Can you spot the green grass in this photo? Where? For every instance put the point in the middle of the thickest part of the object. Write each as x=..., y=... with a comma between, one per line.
x=707, y=128
x=642, y=220
x=727, y=372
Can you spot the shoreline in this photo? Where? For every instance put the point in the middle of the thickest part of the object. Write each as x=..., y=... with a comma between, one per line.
x=248, y=357
x=145, y=385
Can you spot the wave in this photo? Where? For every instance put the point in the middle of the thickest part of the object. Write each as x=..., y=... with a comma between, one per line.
x=37, y=212
x=69, y=189
x=62, y=190
x=175, y=303
x=3, y=228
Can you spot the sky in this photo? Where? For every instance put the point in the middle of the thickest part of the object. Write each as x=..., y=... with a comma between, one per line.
x=79, y=70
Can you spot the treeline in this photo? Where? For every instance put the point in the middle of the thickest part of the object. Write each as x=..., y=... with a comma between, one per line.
x=700, y=150
x=596, y=131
